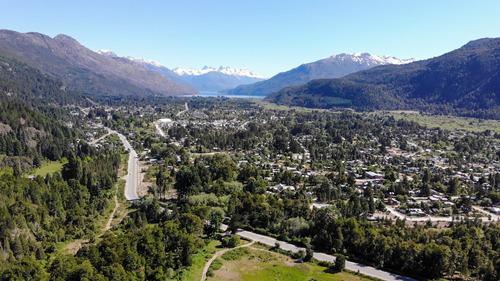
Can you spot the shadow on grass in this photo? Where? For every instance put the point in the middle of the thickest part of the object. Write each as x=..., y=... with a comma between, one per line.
x=331, y=271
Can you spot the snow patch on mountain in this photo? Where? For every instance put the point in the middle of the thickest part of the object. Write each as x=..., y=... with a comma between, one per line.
x=370, y=59
x=143, y=61
x=107, y=53
x=112, y=54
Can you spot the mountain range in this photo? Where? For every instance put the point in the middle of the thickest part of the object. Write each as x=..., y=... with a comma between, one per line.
x=85, y=70
x=206, y=79
x=333, y=67
x=464, y=81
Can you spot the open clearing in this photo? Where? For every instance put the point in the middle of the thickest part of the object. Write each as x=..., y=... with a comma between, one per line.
x=262, y=265
x=49, y=168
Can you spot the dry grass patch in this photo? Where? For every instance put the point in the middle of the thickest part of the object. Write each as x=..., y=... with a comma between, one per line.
x=259, y=264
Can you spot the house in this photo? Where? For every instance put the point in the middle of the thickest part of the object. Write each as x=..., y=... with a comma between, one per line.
x=416, y=212
x=373, y=175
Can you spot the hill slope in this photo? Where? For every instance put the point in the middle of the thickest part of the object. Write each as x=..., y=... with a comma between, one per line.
x=332, y=67
x=465, y=81
x=83, y=69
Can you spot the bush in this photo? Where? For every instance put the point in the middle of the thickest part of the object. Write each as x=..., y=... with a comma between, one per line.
x=231, y=242
x=309, y=254
x=236, y=254
x=216, y=265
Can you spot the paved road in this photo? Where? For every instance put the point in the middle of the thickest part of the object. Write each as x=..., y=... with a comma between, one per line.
x=133, y=170
x=367, y=270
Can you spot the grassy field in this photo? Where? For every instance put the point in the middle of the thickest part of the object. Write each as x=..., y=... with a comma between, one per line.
x=49, y=168
x=261, y=265
x=446, y=122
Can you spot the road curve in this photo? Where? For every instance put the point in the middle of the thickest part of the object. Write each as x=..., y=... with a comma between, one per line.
x=364, y=269
x=218, y=254
x=184, y=111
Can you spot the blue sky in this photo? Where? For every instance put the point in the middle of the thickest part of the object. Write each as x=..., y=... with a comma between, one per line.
x=266, y=36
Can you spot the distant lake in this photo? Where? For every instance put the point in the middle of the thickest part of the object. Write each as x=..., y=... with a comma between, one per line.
x=216, y=94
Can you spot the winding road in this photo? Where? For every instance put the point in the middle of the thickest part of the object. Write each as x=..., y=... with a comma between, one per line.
x=364, y=269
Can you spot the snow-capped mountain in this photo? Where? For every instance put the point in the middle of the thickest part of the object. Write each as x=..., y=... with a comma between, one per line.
x=217, y=79
x=332, y=67
x=245, y=72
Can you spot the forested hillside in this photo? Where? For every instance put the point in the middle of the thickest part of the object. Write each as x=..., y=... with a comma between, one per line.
x=85, y=70
x=21, y=82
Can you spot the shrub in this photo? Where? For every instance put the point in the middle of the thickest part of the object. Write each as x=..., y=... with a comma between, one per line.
x=339, y=263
